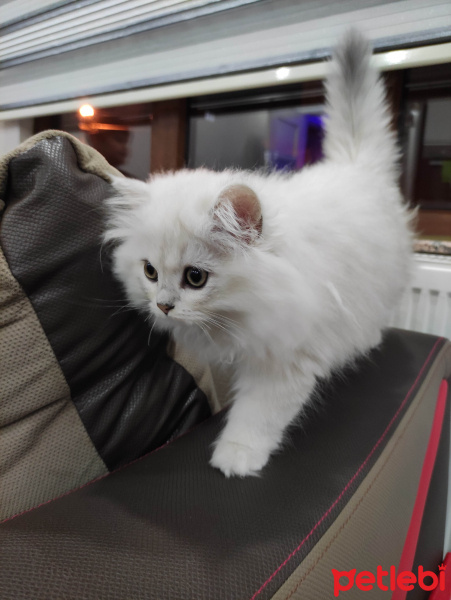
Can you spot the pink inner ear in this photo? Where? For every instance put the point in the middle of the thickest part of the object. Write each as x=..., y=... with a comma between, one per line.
x=245, y=204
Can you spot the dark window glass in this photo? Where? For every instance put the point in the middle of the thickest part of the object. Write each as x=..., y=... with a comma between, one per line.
x=277, y=128
x=284, y=139
x=427, y=169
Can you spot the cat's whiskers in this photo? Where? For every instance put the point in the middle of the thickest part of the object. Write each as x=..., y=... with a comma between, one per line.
x=150, y=332
x=102, y=303
x=203, y=321
x=215, y=323
x=204, y=330
x=214, y=319
x=125, y=308
x=222, y=320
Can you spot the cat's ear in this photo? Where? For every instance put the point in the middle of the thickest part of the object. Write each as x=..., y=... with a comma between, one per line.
x=238, y=213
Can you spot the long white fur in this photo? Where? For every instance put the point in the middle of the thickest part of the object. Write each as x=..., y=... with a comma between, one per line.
x=305, y=297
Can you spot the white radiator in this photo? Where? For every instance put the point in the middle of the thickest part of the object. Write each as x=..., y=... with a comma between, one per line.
x=426, y=306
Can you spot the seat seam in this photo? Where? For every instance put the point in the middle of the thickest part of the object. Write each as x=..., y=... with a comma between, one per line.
x=431, y=354
x=354, y=510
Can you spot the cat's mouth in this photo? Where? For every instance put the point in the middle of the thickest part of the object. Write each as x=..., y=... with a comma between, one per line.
x=172, y=318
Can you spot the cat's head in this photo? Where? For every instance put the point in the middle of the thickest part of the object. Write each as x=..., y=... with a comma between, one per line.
x=182, y=245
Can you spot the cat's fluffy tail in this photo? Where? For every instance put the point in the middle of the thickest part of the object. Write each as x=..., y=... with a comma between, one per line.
x=358, y=124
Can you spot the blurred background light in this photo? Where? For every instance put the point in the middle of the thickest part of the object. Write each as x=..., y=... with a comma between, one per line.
x=86, y=110
x=282, y=73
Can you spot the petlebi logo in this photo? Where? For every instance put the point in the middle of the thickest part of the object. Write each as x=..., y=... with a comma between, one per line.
x=388, y=580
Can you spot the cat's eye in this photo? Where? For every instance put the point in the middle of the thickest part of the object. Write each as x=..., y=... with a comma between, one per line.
x=195, y=277
x=150, y=271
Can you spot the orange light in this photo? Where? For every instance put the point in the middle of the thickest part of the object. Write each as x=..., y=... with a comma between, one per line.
x=86, y=110
x=94, y=127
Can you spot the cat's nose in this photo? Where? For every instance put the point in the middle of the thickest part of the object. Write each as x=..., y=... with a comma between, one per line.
x=165, y=307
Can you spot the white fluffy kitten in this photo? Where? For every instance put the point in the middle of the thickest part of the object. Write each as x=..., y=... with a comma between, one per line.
x=288, y=277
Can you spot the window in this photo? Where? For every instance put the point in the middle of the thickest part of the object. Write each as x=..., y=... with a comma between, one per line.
x=426, y=135
x=121, y=134
x=280, y=130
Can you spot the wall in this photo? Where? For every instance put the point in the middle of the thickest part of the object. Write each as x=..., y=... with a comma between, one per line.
x=12, y=133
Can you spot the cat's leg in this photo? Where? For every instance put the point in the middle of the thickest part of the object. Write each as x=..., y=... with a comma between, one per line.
x=266, y=402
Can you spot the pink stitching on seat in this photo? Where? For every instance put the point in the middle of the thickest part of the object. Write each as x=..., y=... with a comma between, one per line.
x=353, y=478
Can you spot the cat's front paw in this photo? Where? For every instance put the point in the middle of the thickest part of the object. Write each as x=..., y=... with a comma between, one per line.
x=238, y=459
